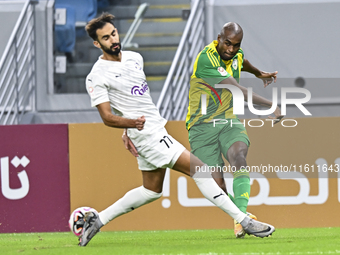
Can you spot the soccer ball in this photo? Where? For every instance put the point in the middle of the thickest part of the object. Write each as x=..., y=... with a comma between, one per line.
x=76, y=221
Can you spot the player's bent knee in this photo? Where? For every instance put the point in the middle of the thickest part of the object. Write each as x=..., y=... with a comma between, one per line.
x=238, y=159
x=151, y=195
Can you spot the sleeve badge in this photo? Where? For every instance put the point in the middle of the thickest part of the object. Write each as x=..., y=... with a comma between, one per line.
x=222, y=71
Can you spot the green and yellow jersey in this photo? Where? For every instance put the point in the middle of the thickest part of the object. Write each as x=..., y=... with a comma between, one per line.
x=210, y=69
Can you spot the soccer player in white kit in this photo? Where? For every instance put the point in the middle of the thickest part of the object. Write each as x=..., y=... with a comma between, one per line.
x=117, y=81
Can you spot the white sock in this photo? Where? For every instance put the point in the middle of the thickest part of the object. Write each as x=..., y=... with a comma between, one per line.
x=130, y=201
x=215, y=194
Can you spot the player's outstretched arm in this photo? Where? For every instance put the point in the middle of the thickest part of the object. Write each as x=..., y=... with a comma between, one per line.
x=266, y=77
x=257, y=99
x=112, y=120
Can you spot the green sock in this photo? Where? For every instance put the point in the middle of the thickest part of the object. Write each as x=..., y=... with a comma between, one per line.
x=241, y=188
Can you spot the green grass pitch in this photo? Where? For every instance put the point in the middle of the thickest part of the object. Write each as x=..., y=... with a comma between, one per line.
x=212, y=242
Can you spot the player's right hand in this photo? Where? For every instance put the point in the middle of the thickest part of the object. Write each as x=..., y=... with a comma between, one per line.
x=140, y=123
x=267, y=77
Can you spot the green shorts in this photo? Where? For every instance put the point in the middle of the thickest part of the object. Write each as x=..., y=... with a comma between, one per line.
x=209, y=141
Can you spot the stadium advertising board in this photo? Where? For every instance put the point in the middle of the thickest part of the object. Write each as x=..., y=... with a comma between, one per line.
x=34, y=178
x=294, y=175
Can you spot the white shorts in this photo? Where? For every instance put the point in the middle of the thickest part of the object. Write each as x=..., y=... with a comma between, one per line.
x=161, y=151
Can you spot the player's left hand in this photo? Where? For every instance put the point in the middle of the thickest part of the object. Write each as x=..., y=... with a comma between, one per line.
x=267, y=78
x=129, y=145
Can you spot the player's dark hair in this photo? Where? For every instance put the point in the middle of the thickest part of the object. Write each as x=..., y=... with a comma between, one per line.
x=98, y=23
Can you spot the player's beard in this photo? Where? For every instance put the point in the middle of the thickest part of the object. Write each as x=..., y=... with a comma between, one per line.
x=113, y=52
x=226, y=57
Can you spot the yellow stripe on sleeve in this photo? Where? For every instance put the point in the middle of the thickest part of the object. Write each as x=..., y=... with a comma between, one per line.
x=211, y=59
x=214, y=57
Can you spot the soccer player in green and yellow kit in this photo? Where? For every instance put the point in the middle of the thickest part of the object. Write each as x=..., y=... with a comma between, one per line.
x=213, y=128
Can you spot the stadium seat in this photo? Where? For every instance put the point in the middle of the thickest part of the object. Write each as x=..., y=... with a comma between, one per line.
x=78, y=14
x=65, y=35
x=85, y=9
x=102, y=4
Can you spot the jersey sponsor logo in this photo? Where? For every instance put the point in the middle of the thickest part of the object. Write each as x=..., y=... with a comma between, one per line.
x=222, y=71
x=139, y=90
x=90, y=89
x=235, y=62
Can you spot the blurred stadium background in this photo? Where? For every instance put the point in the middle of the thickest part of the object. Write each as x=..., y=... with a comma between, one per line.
x=46, y=55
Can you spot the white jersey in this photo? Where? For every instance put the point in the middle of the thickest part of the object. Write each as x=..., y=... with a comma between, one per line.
x=123, y=84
